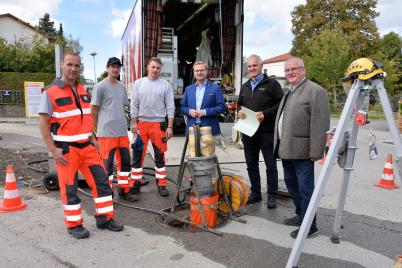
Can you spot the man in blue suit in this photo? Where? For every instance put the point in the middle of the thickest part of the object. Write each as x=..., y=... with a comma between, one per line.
x=203, y=101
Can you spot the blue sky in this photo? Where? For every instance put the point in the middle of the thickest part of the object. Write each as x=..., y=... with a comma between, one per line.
x=99, y=24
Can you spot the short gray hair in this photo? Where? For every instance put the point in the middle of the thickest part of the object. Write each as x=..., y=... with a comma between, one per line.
x=255, y=56
x=299, y=61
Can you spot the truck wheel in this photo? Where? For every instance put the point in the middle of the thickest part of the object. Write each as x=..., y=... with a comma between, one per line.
x=51, y=182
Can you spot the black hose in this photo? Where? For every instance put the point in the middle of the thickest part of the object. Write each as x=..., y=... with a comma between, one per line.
x=162, y=213
x=37, y=169
x=149, y=168
x=150, y=210
x=46, y=170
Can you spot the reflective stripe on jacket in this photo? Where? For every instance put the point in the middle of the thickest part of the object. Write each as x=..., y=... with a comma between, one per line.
x=71, y=120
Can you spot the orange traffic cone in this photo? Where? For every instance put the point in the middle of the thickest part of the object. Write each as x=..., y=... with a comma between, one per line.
x=12, y=200
x=387, y=178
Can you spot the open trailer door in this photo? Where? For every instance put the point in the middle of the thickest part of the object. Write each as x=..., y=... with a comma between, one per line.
x=132, y=47
x=180, y=33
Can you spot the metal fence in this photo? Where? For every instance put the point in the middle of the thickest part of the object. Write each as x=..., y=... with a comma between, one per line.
x=12, y=97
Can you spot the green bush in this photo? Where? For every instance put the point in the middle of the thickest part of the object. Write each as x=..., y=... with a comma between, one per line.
x=376, y=107
x=15, y=81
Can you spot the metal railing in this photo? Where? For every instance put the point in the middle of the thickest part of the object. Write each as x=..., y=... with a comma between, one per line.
x=12, y=97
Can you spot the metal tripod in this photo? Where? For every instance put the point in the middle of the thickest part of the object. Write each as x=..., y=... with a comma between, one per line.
x=346, y=137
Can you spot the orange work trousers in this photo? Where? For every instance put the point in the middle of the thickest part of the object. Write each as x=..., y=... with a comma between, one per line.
x=156, y=133
x=84, y=158
x=118, y=148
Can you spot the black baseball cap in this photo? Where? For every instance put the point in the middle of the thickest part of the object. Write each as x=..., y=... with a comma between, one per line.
x=113, y=60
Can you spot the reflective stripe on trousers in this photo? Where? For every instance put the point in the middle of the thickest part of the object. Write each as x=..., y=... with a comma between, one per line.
x=87, y=161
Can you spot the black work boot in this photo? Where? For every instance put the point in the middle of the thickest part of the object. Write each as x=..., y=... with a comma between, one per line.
x=121, y=192
x=271, y=203
x=294, y=221
x=254, y=198
x=111, y=225
x=163, y=191
x=130, y=196
x=311, y=233
x=136, y=188
x=78, y=232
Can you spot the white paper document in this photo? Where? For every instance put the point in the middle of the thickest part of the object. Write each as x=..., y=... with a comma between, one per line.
x=248, y=125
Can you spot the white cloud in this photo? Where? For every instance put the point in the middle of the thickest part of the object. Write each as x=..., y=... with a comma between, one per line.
x=268, y=30
x=390, y=16
x=249, y=18
x=119, y=21
x=272, y=10
x=267, y=27
x=30, y=11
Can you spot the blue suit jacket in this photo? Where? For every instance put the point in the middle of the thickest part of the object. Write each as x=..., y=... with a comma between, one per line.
x=213, y=103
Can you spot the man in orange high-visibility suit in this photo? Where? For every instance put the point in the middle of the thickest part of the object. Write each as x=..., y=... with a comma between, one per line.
x=151, y=102
x=107, y=107
x=66, y=125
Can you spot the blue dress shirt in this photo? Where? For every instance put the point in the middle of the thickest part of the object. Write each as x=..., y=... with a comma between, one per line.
x=254, y=82
x=199, y=95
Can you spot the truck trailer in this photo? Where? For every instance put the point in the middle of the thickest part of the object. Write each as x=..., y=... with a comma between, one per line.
x=181, y=32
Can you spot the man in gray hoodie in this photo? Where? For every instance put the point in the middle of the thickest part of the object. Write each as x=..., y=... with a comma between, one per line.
x=300, y=133
x=151, y=102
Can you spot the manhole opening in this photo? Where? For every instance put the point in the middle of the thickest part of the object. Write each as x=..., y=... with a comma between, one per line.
x=183, y=211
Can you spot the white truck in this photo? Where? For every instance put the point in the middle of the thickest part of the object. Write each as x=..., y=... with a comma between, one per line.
x=181, y=32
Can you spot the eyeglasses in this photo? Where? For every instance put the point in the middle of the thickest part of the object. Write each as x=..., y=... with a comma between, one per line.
x=292, y=69
x=199, y=71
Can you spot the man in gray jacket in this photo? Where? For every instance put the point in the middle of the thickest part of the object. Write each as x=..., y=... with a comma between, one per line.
x=300, y=132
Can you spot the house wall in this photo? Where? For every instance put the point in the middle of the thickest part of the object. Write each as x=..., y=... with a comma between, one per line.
x=275, y=68
x=11, y=30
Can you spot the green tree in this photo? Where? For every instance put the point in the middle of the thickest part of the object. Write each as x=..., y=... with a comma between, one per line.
x=391, y=54
x=355, y=19
x=391, y=45
x=327, y=58
x=74, y=45
x=60, y=32
x=102, y=76
x=38, y=56
x=41, y=58
x=47, y=26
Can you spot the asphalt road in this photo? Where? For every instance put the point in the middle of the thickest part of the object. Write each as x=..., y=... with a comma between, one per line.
x=372, y=234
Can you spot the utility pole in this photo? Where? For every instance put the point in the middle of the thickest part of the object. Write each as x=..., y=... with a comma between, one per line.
x=93, y=54
x=58, y=49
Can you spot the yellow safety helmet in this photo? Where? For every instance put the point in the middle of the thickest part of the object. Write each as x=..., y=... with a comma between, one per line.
x=363, y=69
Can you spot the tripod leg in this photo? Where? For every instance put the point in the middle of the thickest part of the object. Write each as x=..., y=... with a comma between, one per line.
x=324, y=175
x=386, y=106
x=183, y=165
x=347, y=170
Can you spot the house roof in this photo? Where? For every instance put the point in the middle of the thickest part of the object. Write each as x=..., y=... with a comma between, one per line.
x=22, y=22
x=279, y=58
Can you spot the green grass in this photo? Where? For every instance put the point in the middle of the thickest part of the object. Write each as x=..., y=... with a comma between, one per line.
x=377, y=115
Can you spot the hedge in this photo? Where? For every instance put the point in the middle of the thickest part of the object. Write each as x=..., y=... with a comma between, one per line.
x=15, y=81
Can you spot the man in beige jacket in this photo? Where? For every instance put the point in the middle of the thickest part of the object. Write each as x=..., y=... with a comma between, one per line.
x=300, y=132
